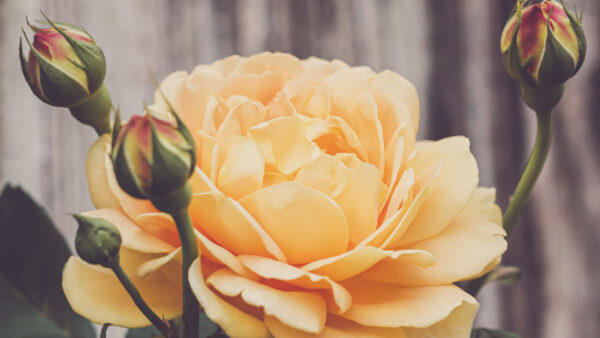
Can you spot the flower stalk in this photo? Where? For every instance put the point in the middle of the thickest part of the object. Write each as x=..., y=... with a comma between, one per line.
x=524, y=187
x=162, y=326
x=532, y=171
x=176, y=205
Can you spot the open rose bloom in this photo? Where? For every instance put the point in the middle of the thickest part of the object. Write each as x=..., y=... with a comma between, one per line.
x=316, y=210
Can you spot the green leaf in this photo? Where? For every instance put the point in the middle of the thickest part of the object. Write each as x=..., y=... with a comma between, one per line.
x=32, y=256
x=489, y=333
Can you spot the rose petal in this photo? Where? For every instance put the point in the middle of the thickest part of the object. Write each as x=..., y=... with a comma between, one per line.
x=335, y=327
x=322, y=68
x=152, y=265
x=334, y=135
x=457, y=325
x=160, y=225
x=97, y=294
x=360, y=259
x=464, y=250
x=240, y=118
x=369, y=129
x=355, y=190
x=450, y=192
x=304, y=311
x=283, y=143
x=274, y=270
x=132, y=236
x=207, y=152
x=233, y=321
x=100, y=192
x=399, y=88
x=305, y=224
x=243, y=168
x=389, y=305
x=229, y=224
x=201, y=183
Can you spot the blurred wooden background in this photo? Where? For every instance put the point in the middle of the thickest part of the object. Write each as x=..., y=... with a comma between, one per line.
x=448, y=49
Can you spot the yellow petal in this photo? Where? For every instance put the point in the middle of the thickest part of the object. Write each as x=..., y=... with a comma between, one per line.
x=201, y=183
x=227, y=223
x=97, y=294
x=274, y=270
x=355, y=190
x=159, y=225
x=207, y=152
x=389, y=305
x=283, y=143
x=335, y=327
x=304, y=311
x=220, y=255
x=334, y=135
x=243, y=168
x=465, y=249
x=399, y=88
x=132, y=236
x=322, y=68
x=233, y=321
x=240, y=118
x=369, y=129
x=305, y=224
x=95, y=169
x=450, y=191
x=152, y=265
x=216, y=111
x=360, y=259
x=457, y=325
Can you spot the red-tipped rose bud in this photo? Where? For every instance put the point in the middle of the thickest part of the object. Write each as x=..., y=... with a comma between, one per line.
x=152, y=157
x=542, y=43
x=66, y=68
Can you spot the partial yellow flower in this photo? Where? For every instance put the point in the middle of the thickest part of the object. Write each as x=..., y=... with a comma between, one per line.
x=317, y=212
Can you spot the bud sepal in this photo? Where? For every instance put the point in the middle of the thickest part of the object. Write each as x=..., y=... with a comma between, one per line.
x=97, y=241
x=152, y=157
x=542, y=43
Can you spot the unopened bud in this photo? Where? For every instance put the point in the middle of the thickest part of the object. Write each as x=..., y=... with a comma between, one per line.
x=152, y=157
x=97, y=240
x=65, y=66
x=542, y=44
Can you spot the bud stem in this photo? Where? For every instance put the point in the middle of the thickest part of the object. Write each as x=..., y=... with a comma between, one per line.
x=525, y=186
x=138, y=300
x=95, y=111
x=176, y=205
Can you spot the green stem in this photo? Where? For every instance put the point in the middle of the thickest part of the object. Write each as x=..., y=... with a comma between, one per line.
x=189, y=248
x=524, y=187
x=138, y=300
x=95, y=111
x=532, y=171
x=176, y=204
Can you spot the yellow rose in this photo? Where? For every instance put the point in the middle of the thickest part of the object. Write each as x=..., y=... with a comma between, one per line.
x=316, y=210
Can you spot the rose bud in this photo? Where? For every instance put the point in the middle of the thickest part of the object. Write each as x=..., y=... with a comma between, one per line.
x=66, y=68
x=152, y=157
x=542, y=44
x=97, y=241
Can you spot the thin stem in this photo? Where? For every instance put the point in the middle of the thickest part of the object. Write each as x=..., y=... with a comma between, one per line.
x=532, y=171
x=138, y=300
x=524, y=187
x=189, y=248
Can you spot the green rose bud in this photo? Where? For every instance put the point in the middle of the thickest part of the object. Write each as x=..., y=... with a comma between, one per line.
x=542, y=44
x=152, y=157
x=97, y=241
x=65, y=66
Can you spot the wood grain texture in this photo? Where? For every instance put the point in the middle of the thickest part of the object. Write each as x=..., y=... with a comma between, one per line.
x=447, y=48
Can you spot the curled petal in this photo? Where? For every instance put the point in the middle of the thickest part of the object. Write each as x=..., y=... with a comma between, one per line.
x=97, y=294
x=233, y=321
x=304, y=311
x=305, y=224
